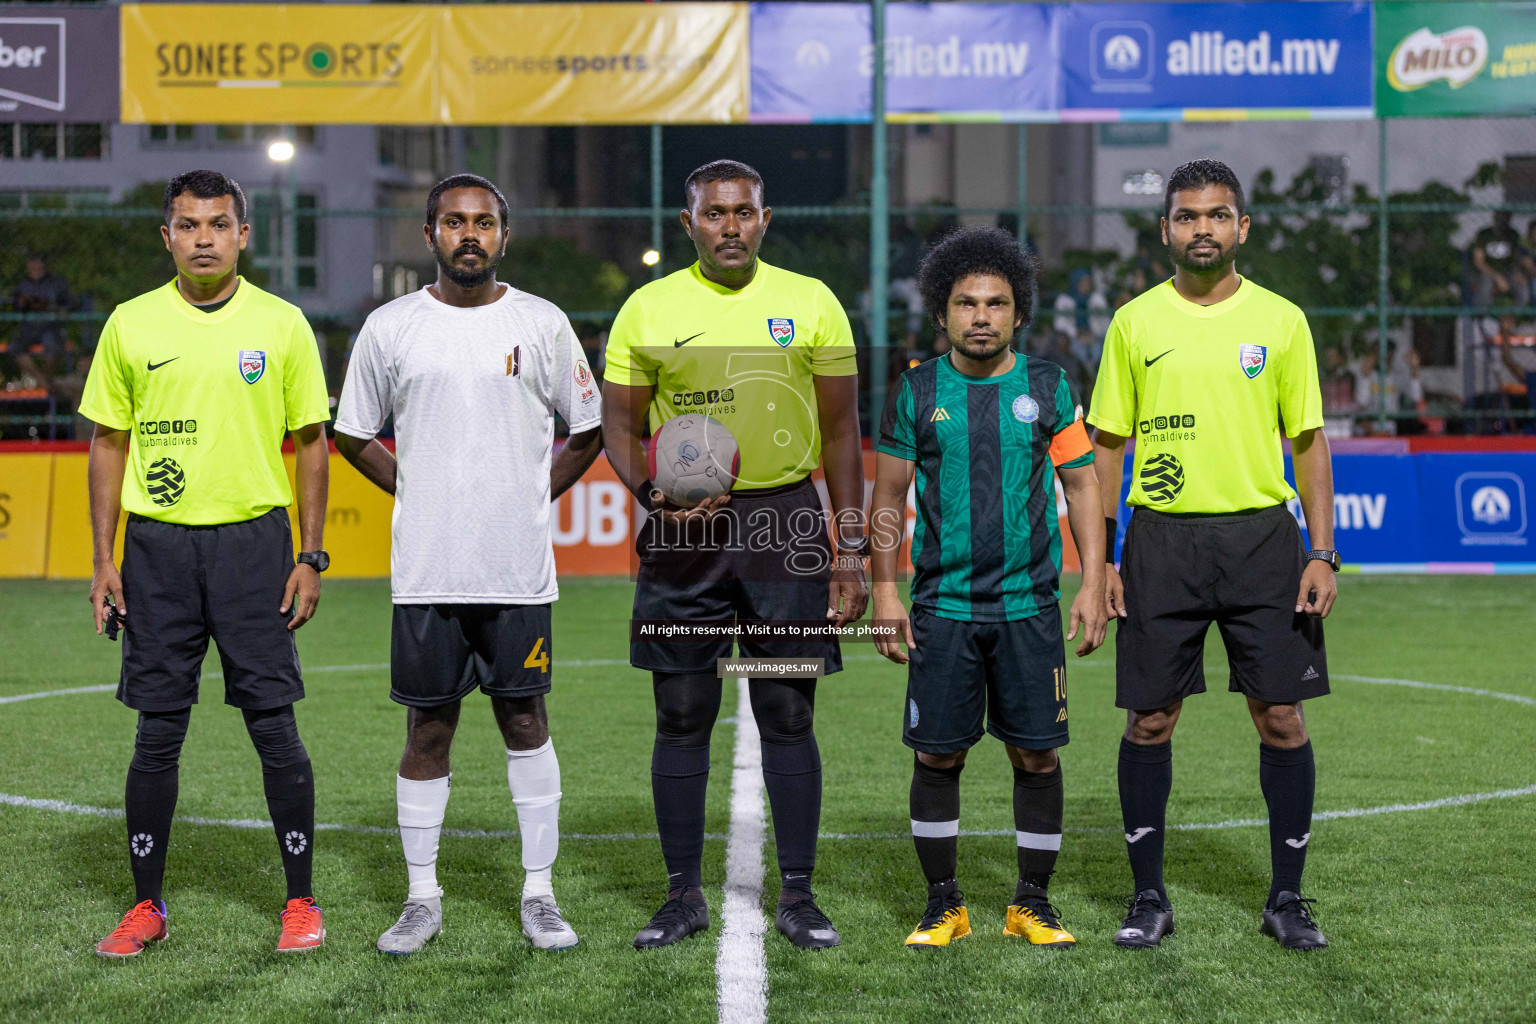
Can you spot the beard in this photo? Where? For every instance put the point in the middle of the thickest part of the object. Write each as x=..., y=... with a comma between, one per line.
x=467, y=278
x=981, y=348
x=1215, y=263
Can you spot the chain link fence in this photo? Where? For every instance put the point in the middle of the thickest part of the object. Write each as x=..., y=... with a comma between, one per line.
x=1458, y=354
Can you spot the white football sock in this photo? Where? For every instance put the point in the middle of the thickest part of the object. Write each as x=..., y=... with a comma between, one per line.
x=421, y=805
x=534, y=778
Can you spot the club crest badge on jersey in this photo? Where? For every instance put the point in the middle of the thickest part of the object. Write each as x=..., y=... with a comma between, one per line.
x=582, y=374
x=1026, y=409
x=1252, y=359
x=781, y=330
x=252, y=365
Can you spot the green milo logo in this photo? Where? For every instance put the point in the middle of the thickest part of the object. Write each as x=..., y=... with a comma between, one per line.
x=165, y=482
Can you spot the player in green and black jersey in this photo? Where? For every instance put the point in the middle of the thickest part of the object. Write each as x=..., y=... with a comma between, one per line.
x=985, y=432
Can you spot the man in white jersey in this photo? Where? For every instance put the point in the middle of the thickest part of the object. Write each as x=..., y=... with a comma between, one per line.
x=473, y=372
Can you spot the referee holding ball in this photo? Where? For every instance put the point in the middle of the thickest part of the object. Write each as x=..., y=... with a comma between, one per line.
x=769, y=354
x=1206, y=369
x=193, y=388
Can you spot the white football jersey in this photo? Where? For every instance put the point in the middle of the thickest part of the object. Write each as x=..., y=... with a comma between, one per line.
x=474, y=392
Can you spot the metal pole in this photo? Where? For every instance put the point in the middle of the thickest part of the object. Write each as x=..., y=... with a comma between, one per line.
x=1383, y=290
x=879, y=227
x=1023, y=205
x=656, y=197
x=1023, y=182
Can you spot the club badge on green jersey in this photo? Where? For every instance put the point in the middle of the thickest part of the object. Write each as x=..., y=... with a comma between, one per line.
x=781, y=330
x=1252, y=359
x=252, y=365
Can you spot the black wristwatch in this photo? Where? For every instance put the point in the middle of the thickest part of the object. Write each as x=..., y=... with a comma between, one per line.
x=317, y=560
x=1325, y=555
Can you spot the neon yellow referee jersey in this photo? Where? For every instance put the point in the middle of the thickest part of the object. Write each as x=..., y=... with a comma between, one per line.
x=745, y=357
x=209, y=398
x=1205, y=390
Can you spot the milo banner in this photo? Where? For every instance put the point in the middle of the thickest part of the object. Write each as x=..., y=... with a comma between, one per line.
x=279, y=63
x=1455, y=59
x=623, y=63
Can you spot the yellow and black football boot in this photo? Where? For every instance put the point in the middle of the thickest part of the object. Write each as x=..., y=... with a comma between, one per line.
x=1033, y=918
x=945, y=921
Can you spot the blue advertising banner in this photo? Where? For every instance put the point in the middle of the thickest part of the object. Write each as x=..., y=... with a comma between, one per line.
x=1477, y=507
x=815, y=62
x=1299, y=58
x=1432, y=512
x=1064, y=62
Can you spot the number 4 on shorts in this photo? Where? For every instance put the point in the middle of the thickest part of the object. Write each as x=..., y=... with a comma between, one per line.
x=537, y=658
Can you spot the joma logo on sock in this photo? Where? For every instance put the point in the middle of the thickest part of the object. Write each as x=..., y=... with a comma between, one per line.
x=1297, y=844
x=1139, y=834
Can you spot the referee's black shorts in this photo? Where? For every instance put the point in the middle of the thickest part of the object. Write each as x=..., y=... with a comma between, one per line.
x=184, y=584
x=765, y=558
x=1242, y=572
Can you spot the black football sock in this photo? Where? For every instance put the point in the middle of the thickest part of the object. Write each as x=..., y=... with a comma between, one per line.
x=935, y=803
x=150, y=801
x=1288, y=778
x=1037, y=814
x=291, y=802
x=1146, y=778
x=289, y=782
x=149, y=798
x=679, y=779
x=792, y=777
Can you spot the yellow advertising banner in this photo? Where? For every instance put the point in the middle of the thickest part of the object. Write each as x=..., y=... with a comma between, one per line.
x=70, y=553
x=279, y=63
x=609, y=63
x=26, y=484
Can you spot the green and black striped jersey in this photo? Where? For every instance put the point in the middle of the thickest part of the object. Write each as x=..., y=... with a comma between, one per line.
x=986, y=546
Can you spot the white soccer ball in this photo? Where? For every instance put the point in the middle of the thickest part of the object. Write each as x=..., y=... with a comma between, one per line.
x=692, y=458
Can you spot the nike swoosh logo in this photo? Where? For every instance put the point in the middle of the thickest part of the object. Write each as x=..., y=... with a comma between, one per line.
x=1139, y=834
x=155, y=366
x=1297, y=844
x=1154, y=359
x=680, y=344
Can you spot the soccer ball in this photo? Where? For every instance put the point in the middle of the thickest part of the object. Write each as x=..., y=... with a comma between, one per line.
x=692, y=458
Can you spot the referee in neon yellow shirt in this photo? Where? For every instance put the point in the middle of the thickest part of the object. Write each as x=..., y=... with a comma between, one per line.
x=770, y=354
x=193, y=388
x=1206, y=369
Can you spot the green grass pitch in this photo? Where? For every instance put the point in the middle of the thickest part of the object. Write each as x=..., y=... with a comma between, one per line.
x=1431, y=913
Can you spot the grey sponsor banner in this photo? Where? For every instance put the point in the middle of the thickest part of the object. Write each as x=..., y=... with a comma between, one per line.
x=58, y=63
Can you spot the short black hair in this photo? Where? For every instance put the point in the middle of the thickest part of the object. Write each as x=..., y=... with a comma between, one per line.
x=721, y=170
x=204, y=185
x=977, y=251
x=1199, y=174
x=465, y=181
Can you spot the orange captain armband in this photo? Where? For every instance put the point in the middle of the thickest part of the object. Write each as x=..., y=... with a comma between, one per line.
x=1071, y=443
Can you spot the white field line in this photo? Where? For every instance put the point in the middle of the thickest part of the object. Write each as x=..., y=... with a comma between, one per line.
x=741, y=966
x=744, y=716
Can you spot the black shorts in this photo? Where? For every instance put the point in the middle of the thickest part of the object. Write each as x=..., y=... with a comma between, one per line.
x=438, y=653
x=1241, y=571
x=183, y=584
x=765, y=558
x=1012, y=675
